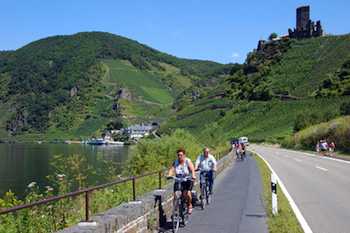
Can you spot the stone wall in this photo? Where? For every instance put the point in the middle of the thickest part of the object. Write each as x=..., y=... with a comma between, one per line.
x=151, y=213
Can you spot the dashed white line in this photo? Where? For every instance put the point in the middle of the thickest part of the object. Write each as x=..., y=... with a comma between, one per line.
x=321, y=168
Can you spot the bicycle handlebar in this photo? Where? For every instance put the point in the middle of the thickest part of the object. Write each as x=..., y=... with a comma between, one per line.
x=181, y=179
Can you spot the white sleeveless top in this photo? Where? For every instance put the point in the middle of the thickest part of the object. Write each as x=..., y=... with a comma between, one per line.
x=182, y=170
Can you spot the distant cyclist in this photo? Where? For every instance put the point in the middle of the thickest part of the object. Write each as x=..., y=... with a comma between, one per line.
x=183, y=167
x=242, y=148
x=207, y=163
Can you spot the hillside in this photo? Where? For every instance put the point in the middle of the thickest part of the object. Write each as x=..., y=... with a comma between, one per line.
x=273, y=90
x=75, y=86
x=336, y=130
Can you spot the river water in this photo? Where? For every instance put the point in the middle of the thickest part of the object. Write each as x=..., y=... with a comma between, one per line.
x=21, y=164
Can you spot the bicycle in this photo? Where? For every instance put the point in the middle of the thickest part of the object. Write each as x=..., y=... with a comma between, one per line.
x=205, y=192
x=239, y=154
x=180, y=212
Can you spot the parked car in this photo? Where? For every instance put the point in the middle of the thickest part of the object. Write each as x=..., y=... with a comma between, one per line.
x=244, y=140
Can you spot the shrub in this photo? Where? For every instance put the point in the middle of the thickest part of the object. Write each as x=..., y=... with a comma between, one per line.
x=152, y=155
x=337, y=130
x=345, y=109
x=273, y=35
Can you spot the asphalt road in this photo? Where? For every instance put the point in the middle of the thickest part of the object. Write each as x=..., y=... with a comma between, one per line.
x=319, y=186
x=236, y=206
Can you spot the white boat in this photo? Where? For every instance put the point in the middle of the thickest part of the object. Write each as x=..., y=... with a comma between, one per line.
x=97, y=141
x=110, y=142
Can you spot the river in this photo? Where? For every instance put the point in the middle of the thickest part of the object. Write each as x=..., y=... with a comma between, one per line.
x=21, y=164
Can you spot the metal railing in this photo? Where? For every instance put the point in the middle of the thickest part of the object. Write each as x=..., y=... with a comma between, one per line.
x=87, y=192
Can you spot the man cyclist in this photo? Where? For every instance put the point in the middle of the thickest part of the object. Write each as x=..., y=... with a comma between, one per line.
x=206, y=163
x=183, y=167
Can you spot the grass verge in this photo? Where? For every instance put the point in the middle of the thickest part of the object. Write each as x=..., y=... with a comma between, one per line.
x=285, y=221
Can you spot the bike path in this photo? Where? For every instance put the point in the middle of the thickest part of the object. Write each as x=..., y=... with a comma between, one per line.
x=237, y=205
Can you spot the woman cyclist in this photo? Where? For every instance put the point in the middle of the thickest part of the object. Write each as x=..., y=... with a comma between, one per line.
x=183, y=167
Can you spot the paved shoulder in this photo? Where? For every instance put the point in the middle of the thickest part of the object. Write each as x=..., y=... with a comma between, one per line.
x=237, y=206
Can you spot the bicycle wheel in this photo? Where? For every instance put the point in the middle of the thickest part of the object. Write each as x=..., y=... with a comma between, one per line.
x=202, y=197
x=183, y=212
x=176, y=216
x=207, y=195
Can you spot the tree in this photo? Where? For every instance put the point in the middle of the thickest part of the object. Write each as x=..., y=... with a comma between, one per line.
x=273, y=35
x=345, y=109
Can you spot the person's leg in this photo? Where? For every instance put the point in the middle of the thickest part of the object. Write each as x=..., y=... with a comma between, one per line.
x=211, y=181
x=188, y=194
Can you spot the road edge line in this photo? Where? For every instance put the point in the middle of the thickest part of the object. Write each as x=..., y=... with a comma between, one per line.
x=304, y=225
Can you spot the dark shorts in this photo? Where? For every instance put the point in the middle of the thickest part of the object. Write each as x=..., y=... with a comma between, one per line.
x=184, y=186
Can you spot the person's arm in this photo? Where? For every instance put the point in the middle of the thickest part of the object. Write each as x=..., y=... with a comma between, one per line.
x=191, y=167
x=214, y=163
x=197, y=163
x=171, y=171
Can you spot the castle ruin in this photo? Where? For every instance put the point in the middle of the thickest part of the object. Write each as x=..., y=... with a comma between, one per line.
x=305, y=27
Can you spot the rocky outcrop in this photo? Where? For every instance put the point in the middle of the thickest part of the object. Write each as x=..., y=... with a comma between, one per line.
x=124, y=93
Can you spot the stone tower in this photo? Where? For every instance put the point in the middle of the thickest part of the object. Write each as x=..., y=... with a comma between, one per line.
x=305, y=27
x=303, y=18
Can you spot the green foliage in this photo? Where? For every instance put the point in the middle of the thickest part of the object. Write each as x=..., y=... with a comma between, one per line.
x=304, y=120
x=304, y=66
x=345, y=109
x=273, y=35
x=153, y=155
x=260, y=121
x=252, y=81
x=54, y=84
x=336, y=130
x=128, y=76
x=338, y=84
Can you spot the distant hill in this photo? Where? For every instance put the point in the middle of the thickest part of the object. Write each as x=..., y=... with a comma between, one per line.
x=75, y=86
x=287, y=81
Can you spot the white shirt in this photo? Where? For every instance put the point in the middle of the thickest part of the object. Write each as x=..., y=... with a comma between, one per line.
x=182, y=170
x=206, y=164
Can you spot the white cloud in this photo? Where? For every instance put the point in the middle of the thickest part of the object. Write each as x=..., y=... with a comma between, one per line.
x=235, y=55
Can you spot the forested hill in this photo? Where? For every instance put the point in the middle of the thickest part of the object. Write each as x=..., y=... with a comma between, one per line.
x=70, y=85
x=281, y=89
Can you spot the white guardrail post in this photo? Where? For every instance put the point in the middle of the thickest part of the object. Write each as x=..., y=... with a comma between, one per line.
x=274, y=193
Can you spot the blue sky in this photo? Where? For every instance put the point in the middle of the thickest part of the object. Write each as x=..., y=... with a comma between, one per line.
x=221, y=30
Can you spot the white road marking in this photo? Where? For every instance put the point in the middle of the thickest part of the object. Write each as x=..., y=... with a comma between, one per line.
x=321, y=168
x=298, y=160
x=294, y=206
x=316, y=156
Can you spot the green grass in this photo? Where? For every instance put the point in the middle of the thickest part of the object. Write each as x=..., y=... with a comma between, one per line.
x=137, y=111
x=285, y=221
x=308, y=62
x=260, y=121
x=195, y=117
x=143, y=84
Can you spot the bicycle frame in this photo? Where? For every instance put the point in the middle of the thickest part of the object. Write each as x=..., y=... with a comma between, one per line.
x=179, y=205
x=204, y=181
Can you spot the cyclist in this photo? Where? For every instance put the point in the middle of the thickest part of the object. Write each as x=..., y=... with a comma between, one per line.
x=206, y=162
x=243, y=149
x=183, y=167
